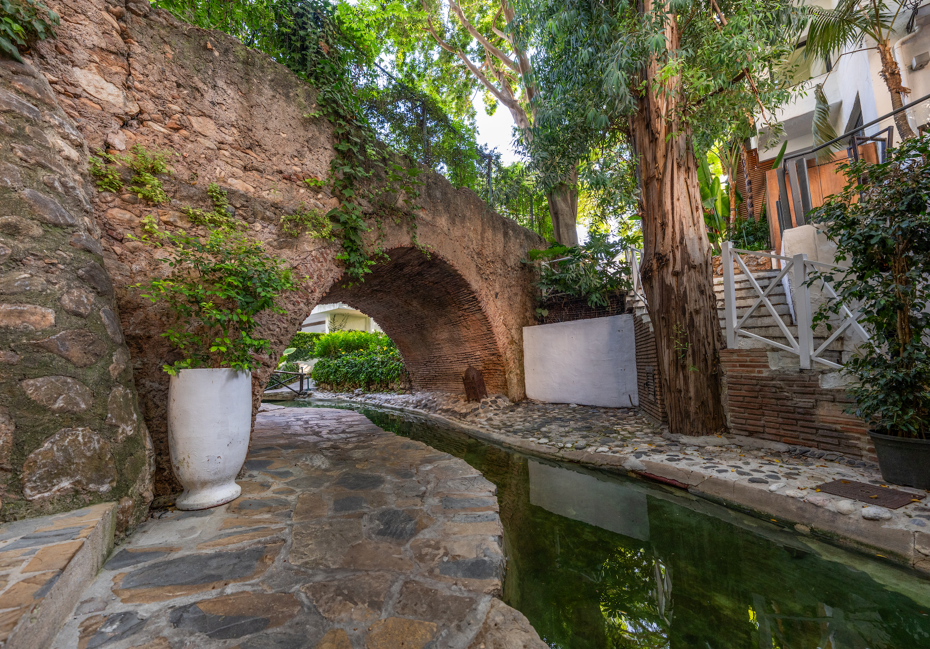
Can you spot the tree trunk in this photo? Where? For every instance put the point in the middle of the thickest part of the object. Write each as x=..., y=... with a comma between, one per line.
x=676, y=267
x=731, y=189
x=891, y=73
x=563, y=208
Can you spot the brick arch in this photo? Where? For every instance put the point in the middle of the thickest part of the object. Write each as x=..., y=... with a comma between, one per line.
x=436, y=319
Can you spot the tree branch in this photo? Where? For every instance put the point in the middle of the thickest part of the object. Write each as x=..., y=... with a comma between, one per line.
x=478, y=36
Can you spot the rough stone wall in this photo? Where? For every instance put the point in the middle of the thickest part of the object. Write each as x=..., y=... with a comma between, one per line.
x=128, y=74
x=70, y=430
x=793, y=406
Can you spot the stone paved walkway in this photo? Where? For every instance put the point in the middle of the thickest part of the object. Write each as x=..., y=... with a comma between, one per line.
x=345, y=537
x=770, y=478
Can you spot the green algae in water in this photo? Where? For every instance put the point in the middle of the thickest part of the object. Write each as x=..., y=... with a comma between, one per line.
x=603, y=562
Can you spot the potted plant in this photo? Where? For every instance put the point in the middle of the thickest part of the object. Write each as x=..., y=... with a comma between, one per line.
x=214, y=290
x=880, y=224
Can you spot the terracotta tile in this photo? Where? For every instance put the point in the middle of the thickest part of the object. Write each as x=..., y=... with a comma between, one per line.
x=53, y=557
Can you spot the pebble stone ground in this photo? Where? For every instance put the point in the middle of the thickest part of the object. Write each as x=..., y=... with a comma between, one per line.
x=723, y=467
x=345, y=537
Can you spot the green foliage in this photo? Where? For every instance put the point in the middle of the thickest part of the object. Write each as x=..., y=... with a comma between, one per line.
x=881, y=228
x=589, y=271
x=23, y=22
x=304, y=344
x=145, y=167
x=150, y=225
x=821, y=126
x=219, y=216
x=215, y=289
x=370, y=369
x=346, y=342
x=312, y=222
x=750, y=234
x=106, y=175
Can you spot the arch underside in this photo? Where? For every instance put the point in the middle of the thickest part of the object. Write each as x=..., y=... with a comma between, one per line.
x=432, y=314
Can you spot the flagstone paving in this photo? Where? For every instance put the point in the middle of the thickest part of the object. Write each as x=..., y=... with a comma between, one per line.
x=767, y=477
x=344, y=537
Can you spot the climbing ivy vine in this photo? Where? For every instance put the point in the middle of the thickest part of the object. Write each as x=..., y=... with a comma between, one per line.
x=307, y=37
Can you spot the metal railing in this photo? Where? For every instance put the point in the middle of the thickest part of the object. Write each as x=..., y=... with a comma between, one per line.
x=798, y=271
x=281, y=379
x=792, y=174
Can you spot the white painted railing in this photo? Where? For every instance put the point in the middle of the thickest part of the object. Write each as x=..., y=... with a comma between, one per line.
x=634, y=258
x=797, y=269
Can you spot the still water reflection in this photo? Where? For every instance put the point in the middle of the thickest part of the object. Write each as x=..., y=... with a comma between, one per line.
x=598, y=562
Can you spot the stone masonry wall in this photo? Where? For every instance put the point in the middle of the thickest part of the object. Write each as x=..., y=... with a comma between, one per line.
x=70, y=430
x=793, y=406
x=128, y=74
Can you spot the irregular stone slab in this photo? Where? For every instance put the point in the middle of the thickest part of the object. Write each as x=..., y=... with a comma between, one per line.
x=194, y=573
x=335, y=639
x=506, y=628
x=360, y=481
x=419, y=601
x=59, y=393
x=26, y=316
x=100, y=631
x=99, y=88
x=349, y=504
x=127, y=558
x=79, y=346
x=394, y=525
x=73, y=460
x=43, y=538
x=121, y=412
x=357, y=598
x=17, y=226
x=97, y=278
x=324, y=544
x=397, y=632
x=83, y=241
x=111, y=324
x=47, y=209
x=77, y=302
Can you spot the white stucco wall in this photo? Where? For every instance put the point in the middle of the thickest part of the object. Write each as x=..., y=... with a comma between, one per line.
x=588, y=362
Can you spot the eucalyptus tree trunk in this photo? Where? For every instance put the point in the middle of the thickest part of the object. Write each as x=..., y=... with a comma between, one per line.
x=563, y=209
x=676, y=267
x=891, y=73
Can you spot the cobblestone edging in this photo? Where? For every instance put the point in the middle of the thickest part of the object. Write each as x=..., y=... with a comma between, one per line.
x=771, y=480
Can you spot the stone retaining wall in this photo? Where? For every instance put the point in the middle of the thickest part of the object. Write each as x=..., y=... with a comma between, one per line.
x=70, y=430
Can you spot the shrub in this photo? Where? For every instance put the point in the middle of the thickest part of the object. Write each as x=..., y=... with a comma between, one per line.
x=304, y=344
x=215, y=290
x=880, y=223
x=380, y=368
x=337, y=343
x=587, y=271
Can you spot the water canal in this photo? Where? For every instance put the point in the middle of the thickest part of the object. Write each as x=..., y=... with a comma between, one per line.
x=605, y=562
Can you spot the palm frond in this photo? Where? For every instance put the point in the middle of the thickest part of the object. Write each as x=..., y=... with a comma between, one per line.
x=831, y=30
x=822, y=129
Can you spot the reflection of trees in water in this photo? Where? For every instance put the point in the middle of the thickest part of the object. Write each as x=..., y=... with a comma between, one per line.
x=734, y=585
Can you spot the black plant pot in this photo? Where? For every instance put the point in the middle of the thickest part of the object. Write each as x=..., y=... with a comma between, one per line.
x=902, y=460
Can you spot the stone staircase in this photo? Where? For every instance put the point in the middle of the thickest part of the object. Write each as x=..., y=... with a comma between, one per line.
x=761, y=322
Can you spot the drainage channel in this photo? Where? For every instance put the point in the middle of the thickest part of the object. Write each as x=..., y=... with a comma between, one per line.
x=598, y=561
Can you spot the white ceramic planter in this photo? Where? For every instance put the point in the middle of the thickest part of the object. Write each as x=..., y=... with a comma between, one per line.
x=209, y=421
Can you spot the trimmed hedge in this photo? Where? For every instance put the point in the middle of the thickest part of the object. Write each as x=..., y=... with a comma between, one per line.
x=336, y=343
x=380, y=368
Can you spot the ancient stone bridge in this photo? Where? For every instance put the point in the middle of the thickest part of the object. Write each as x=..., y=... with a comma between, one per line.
x=74, y=405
